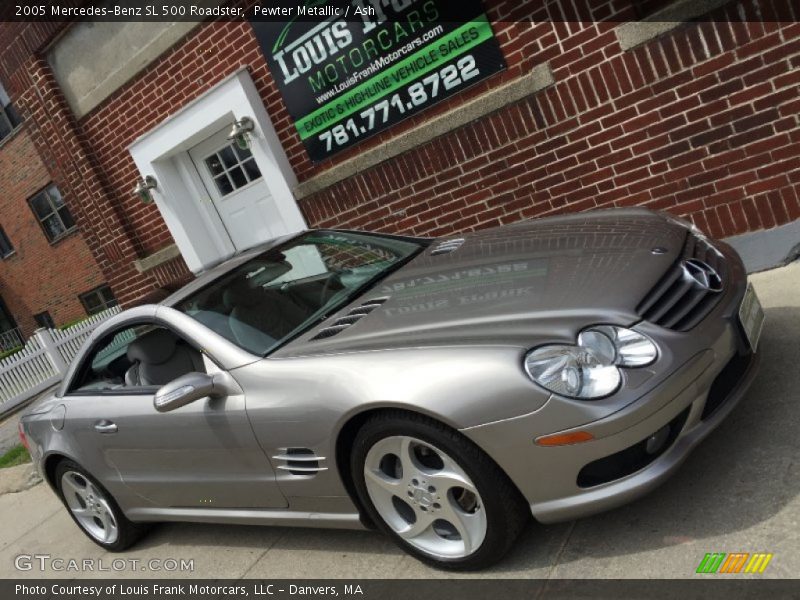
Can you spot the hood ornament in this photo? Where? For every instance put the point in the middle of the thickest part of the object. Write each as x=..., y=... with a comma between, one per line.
x=703, y=275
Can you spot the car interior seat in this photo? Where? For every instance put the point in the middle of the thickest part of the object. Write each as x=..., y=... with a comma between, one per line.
x=260, y=317
x=158, y=357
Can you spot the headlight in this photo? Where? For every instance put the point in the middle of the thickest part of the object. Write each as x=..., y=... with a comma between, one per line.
x=591, y=368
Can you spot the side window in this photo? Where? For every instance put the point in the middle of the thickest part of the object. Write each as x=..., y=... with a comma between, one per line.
x=141, y=357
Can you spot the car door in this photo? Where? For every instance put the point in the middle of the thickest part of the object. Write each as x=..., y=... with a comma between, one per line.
x=201, y=455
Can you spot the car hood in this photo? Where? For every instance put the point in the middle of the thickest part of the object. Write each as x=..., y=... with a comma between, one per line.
x=514, y=285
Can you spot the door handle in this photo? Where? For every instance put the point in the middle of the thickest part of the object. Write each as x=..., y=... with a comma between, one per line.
x=105, y=426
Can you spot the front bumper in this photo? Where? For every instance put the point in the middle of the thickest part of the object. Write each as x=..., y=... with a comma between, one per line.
x=695, y=397
x=620, y=491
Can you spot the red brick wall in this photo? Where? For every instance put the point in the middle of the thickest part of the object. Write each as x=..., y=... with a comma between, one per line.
x=39, y=276
x=701, y=122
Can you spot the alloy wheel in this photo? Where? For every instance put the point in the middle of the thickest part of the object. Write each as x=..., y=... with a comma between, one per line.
x=90, y=507
x=425, y=497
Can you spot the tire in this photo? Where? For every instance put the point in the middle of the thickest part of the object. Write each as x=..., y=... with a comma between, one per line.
x=94, y=510
x=446, y=502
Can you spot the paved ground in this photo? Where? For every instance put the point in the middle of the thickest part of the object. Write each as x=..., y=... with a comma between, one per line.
x=738, y=492
x=9, y=436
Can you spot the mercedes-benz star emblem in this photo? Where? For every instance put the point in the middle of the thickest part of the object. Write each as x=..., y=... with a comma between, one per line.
x=702, y=274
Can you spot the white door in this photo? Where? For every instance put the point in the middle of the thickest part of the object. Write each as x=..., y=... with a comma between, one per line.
x=238, y=191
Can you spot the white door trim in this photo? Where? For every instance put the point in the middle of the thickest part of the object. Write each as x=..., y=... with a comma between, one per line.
x=181, y=196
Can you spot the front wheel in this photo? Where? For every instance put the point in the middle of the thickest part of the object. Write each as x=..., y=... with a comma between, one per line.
x=435, y=493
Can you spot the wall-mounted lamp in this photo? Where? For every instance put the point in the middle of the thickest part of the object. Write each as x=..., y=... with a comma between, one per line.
x=240, y=132
x=143, y=187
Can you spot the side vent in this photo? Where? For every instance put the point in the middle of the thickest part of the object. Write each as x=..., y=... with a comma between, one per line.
x=299, y=461
x=353, y=316
x=447, y=246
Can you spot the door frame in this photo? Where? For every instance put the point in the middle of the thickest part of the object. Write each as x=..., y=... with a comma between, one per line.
x=181, y=196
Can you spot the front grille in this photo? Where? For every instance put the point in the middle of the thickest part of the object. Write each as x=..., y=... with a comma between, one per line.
x=726, y=382
x=631, y=459
x=677, y=302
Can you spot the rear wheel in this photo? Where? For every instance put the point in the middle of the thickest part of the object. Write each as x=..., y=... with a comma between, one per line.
x=94, y=509
x=435, y=493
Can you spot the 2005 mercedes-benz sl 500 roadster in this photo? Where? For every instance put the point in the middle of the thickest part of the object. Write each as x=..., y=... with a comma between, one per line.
x=440, y=390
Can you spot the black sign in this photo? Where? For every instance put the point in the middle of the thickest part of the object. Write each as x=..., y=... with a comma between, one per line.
x=365, y=65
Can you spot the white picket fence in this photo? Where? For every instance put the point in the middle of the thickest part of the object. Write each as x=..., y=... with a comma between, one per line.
x=44, y=360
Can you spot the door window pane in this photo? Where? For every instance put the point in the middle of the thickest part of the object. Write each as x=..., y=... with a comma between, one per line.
x=251, y=168
x=243, y=153
x=214, y=165
x=133, y=359
x=228, y=157
x=238, y=178
x=224, y=185
x=232, y=168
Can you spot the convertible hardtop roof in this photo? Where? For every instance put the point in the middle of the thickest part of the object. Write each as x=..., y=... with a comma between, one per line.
x=217, y=271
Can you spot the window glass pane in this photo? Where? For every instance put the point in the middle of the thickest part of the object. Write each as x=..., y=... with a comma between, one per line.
x=228, y=157
x=92, y=302
x=214, y=165
x=66, y=217
x=5, y=125
x=243, y=153
x=251, y=168
x=223, y=185
x=55, y=196
x=43, y=319
x=12, y=115
x=108, y=296
x=41, y=205
x=6, y=320
x=5, y=244
x=237, y=175
x=283, y=290
x=125, y=360
x=53, y=227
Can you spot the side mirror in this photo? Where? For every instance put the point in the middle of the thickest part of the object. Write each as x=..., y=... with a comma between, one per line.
x=184, y=390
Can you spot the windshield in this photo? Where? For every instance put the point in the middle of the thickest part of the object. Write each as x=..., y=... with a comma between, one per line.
x=280, y=293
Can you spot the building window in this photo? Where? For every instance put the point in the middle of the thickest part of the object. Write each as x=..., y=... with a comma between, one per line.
x=43, y=319
x=7, y=322
x=98, y=300
x=9, y=117
x=6, y=249
x=53, y=215
x=232, y=168
x=10, y=337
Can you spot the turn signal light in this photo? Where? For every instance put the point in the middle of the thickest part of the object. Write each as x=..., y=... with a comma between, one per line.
x=563, y=439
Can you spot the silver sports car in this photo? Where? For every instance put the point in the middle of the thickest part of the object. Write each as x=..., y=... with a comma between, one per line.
x=440, y=390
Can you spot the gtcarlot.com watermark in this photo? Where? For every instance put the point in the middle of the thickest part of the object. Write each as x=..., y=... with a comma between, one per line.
x=47, y=562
